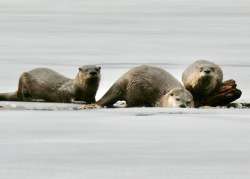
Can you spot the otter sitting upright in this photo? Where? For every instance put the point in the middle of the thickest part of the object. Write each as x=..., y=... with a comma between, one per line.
x=48, y=85
x=147, y=86
x=202, y=78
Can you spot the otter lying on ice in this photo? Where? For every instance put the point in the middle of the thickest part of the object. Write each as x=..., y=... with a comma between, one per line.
x=147, y=86
x=48, y=85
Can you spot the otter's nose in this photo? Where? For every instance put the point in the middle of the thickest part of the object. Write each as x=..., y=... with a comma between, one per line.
x=93, y=73
x=207, y=71
x=182, y=106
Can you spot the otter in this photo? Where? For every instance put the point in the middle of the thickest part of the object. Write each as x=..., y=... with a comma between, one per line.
x=202, y=78
x=147, y=86
x=177, y=97
x=47, y=85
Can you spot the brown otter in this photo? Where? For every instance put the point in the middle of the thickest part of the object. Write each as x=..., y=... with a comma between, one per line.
x=147, y=86
x=48, y=85
x=202, y=78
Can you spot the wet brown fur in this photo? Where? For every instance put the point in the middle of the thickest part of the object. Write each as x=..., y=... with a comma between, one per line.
x=198, y=82
x=48, y=85
x=141, y=86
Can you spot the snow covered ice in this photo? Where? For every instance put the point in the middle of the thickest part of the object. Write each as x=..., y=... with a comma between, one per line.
x=54, y=141
x=129, y=143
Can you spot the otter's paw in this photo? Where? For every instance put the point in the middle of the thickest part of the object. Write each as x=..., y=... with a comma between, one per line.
x=90, y=106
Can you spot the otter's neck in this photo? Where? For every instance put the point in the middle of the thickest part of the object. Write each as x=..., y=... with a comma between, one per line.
x=85, y=90
x=206, y=85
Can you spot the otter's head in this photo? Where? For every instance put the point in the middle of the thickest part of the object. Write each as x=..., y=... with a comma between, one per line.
x=210, y=76
x=88, y=75
x=177, y=98
x=206, y=71
x=202, y=77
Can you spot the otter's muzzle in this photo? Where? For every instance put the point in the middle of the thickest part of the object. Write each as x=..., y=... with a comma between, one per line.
x=182, y=106
x=93, y=73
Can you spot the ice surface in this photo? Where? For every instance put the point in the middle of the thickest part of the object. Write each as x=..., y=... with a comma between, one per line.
x=129, y=143
x=111, y=31
x=138, y=143
x=134, y=143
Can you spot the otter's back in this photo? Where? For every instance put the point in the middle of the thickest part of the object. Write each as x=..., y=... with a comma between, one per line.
x=49, y=77
x=154, y=77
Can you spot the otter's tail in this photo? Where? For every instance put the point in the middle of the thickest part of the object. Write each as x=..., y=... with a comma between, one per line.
x=8, y=96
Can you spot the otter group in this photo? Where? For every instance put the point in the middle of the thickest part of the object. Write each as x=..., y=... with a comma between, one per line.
x=141, y=86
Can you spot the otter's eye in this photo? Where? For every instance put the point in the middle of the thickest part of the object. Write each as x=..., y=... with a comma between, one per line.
x=201, y=69
x=98, y=68
x=212, y=69
x=171, y=94
x=178, y=99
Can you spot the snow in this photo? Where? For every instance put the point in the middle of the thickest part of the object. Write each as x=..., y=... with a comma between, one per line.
x=56, y=141
x=129, y=143
x=143, y=31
